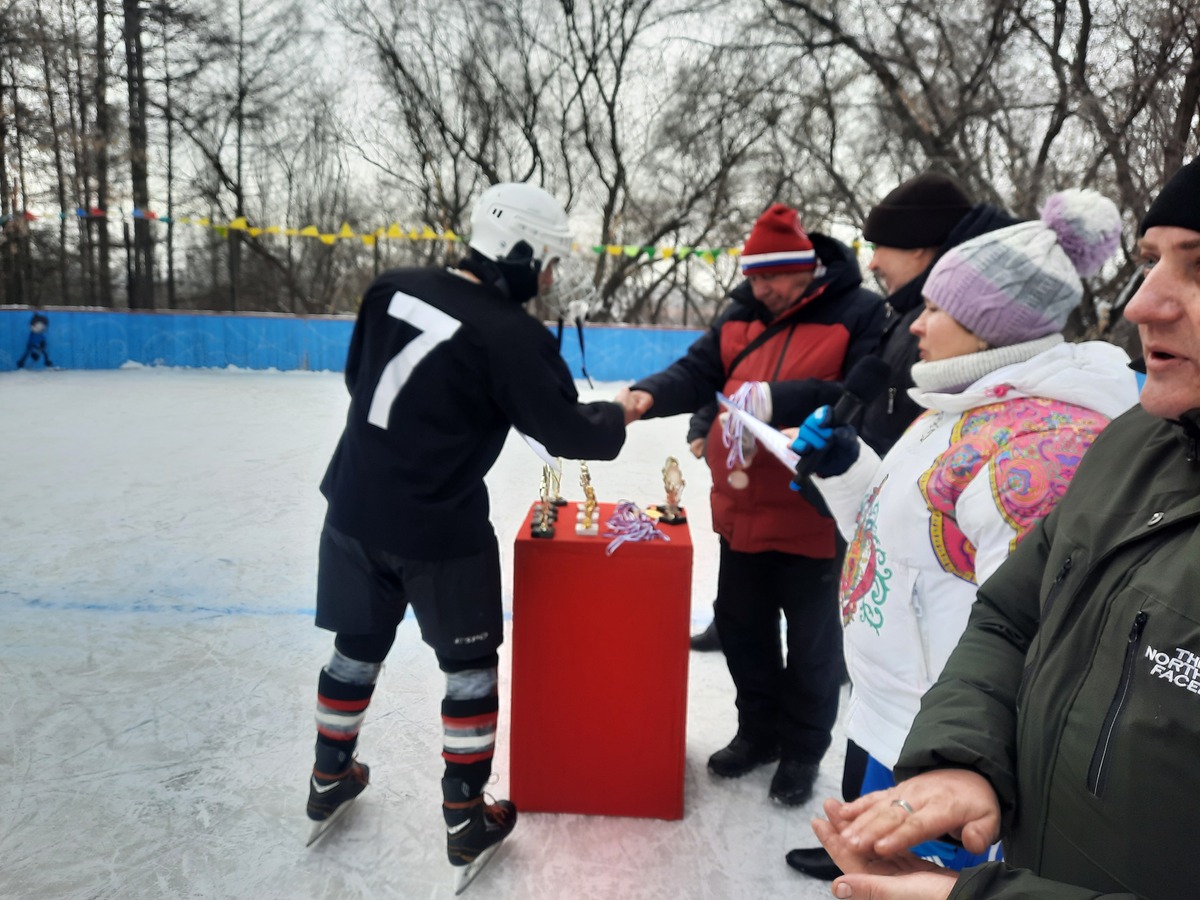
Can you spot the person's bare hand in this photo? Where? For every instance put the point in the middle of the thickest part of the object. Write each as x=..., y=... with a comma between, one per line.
x=935, y=885
x=903, y=876
x=697, y=447
x=636, y=403
x=958, y=802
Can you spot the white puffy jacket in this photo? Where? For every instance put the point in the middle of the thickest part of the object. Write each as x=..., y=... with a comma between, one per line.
x=945, y=507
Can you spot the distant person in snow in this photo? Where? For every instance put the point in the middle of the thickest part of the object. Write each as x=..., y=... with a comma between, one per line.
x=35, y=346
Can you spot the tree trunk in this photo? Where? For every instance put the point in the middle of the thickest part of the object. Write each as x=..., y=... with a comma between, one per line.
x=100, y=143
x=141, y=267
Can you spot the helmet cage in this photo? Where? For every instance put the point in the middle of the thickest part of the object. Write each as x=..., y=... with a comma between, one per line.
x=571, y=292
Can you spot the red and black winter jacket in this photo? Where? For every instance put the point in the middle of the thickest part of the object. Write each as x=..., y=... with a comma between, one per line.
x=811, y=347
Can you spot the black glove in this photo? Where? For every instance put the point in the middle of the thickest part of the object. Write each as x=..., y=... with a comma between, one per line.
x=827, y=451
x=839, y=453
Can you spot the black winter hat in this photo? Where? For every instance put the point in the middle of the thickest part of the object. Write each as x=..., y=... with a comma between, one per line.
x=1179, y=202
x=921, y=212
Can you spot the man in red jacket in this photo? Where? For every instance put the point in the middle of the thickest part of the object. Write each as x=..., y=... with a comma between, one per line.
x=798, y=323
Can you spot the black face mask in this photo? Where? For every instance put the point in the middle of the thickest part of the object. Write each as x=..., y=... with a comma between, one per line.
x=515, y=276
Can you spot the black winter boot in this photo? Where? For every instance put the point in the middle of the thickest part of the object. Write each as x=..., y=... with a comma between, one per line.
x=742, y=756
x=793, y=782
x=707, y=640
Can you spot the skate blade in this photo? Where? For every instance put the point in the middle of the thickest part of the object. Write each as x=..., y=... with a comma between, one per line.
x=468, y=873
x=319, y=828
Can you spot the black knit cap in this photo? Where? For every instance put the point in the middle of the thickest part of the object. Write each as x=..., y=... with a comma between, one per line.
x=1179, y=202
x=921, y=212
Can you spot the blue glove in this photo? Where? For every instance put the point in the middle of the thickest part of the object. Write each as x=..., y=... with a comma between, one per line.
x=813, y=434
x=826, y=452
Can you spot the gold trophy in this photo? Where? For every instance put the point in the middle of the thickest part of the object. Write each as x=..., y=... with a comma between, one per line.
x=544, y=511
x=556, y=485
x=671, y=513
x=587, y=524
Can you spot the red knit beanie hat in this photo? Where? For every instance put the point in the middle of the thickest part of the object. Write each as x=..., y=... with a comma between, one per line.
x=778, y=244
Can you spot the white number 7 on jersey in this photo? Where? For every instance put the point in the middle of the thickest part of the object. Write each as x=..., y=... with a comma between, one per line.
x=435, y=327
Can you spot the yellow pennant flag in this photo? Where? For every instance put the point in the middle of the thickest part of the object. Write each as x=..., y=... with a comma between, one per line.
x=395, y=232
x=347, y=231
x=254, y=232
x=327, y=238
x=368, y=239
x=291, y=232
x=238, y=224
x=273, y=229
x=309, y=231
x=428, y=234
x=450, y=235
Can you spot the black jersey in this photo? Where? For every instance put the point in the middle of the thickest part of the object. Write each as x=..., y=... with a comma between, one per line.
x=439, y=368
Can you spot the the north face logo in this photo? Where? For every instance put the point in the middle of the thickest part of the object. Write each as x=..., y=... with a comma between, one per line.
x=1182, y=669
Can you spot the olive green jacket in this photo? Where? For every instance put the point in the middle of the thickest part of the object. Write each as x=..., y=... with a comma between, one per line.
x=1076, y=688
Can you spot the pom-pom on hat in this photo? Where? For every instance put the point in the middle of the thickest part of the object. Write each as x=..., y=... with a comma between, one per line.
x=1020, y=283
x=921, y=212
x=778, y=244
x=1178, y=204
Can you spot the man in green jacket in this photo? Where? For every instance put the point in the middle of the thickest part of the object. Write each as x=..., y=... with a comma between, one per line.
x=1067, y=721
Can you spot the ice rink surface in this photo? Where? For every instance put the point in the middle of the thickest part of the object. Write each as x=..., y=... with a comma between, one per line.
x=158, y=535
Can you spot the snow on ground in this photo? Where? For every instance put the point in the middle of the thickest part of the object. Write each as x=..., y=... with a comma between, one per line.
x=158, y=534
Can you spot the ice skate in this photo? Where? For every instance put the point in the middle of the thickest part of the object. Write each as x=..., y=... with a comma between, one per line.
x=474, y=831
x=327, y=802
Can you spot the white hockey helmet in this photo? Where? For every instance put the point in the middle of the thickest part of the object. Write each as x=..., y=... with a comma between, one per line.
x=508, y=213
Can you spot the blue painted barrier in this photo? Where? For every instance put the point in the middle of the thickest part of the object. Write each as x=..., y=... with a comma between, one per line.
x=108, y=339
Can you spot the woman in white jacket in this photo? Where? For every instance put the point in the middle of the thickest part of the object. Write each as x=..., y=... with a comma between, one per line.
x=1010, y=409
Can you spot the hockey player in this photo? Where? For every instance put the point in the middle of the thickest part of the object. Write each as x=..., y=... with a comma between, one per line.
x=442, y=362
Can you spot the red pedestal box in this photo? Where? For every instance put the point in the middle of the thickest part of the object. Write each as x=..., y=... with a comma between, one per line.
x=599, y=671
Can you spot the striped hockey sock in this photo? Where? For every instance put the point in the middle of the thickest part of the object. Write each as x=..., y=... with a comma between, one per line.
x=343, y=694
x=470, y=711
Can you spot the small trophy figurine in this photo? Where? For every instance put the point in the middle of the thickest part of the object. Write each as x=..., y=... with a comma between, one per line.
x=587, y=524
x=671, y=513
x=556, y=485
x=544, y=511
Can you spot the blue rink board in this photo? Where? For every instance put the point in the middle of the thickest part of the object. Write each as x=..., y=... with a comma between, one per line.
x=104, y=339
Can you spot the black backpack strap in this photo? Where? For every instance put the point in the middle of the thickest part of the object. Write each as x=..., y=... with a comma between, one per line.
x=769, y=332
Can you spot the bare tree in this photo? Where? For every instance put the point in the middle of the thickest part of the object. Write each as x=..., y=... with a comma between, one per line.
x=141, y=282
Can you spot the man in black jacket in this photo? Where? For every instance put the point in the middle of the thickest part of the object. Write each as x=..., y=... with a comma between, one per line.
x=442, y=362
x=911, y=228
